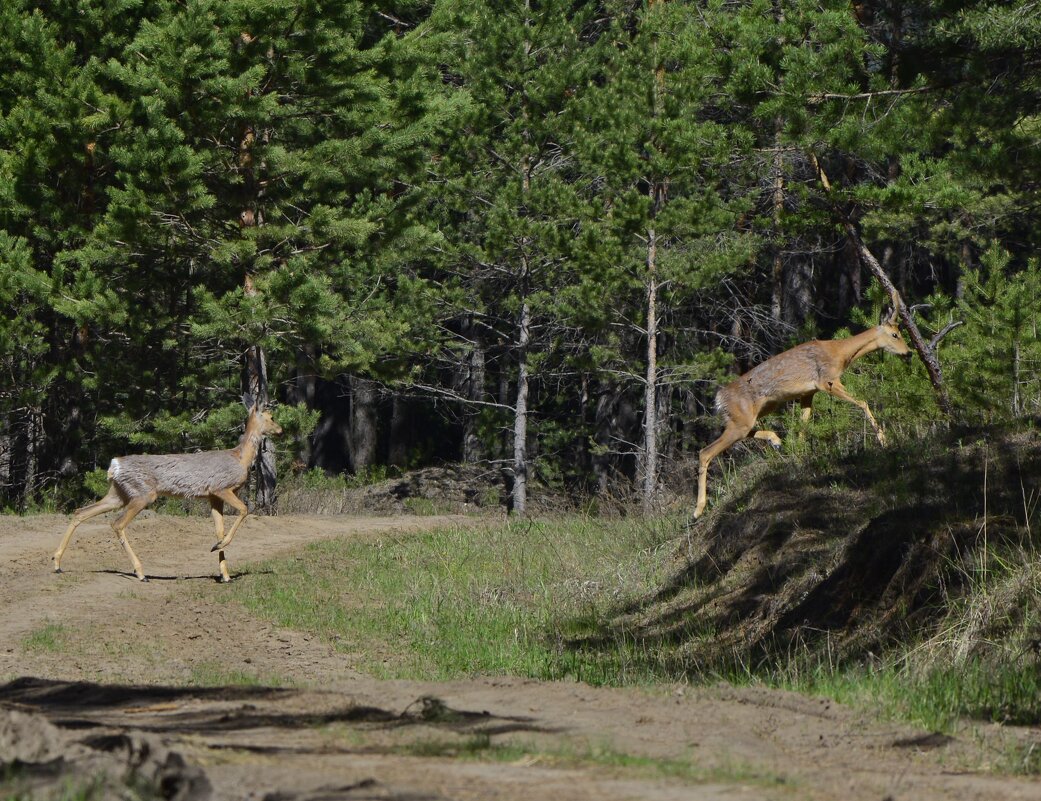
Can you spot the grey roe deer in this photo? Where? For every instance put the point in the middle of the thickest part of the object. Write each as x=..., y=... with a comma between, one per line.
x=795, y=375
x=136, y=481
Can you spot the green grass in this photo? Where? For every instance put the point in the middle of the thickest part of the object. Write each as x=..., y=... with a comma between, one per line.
x=604, y=758
x=51, y=637
x=214, y=674
x=465, y=601
x=427, y=507
x=936, y=698
x=96, y=788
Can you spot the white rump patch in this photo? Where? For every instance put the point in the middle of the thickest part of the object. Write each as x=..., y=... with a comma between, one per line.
x=113, y=469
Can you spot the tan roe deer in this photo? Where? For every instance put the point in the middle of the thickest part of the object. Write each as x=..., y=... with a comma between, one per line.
x=136, y=481
x=795, y=375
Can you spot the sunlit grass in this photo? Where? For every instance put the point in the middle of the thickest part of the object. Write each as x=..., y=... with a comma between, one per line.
x=605, y=759
x=214, y=674
x=463, y=601
x=50, y=637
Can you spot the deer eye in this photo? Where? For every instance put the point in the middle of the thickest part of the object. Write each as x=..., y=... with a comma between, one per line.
x=896, y=335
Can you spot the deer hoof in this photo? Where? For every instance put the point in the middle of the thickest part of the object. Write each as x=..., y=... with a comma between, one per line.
x=57, y=569
x=216, y=547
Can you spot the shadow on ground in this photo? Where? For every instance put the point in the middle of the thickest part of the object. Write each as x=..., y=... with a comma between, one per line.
x=56, y=732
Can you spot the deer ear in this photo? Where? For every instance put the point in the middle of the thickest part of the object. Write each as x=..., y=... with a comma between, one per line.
x=894, y=309
x=890, y=316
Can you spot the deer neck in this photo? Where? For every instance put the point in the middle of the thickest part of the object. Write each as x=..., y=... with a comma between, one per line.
x=246, y=450
x=856, y=346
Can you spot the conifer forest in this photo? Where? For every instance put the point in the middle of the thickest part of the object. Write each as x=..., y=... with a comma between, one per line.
x=534, y=235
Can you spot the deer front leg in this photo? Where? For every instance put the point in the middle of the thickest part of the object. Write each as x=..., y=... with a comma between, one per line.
x=217, y=512
x=730, y=435
x=807, y=407
x=108, y=503
x=232, y=500
x=835, y=389
x=134, y=506
x=229, y=497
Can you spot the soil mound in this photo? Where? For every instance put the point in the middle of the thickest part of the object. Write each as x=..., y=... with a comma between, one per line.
x=37, y=756
x=448, y=489
x=837, y=561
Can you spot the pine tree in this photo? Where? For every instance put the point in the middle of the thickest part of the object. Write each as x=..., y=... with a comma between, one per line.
x=507, y=201
x=657, y=161
x=236, y=170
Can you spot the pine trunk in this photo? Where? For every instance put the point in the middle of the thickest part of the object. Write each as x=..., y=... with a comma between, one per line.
x=265, y=497
x=397, y=447
x=520, y=415
x=473, y=448
x=650, y=399
x=777, y=296
x=364, y=424
x=656, y=192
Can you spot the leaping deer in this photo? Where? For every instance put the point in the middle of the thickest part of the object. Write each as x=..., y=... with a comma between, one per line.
x=136, y=481
x=796, y=374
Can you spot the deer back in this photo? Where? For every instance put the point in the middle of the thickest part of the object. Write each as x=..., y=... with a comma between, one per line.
x=789, y=375
x=185, y=475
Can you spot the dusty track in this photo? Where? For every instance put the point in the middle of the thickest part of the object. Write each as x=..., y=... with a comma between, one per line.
x=128, y=650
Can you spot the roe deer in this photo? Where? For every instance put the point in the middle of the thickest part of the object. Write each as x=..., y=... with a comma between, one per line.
x=796, y=374
x=136, y=481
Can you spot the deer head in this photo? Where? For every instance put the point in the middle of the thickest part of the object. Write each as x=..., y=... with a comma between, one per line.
x=888, y=333
x=261, y=422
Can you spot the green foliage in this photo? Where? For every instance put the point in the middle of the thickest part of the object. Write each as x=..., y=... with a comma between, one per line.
x=96, y=482
x=180, y=182
x=995, y=358
x=200, y=179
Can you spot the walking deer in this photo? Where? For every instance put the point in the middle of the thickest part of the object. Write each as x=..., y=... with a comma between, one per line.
x=795, y=375
x=136, y=481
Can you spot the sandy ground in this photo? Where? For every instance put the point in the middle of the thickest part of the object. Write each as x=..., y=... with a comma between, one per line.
x=128, y=655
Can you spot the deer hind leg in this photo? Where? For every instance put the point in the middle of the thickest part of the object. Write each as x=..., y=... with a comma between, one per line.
x=770, y=437
x=731, y=434
x=229, y=497
x=835, y=389
x=134, y=507
x=106, y=504
x=217, y=511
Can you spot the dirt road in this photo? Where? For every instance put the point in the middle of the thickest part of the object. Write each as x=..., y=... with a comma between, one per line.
x=101, y=669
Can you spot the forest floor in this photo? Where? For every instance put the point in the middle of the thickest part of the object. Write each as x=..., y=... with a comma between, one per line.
x=98, y=671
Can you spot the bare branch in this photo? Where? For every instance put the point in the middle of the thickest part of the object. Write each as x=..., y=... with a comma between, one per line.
x=395, y=20
x=824, y=96
x=943, y=332
x=451, y=394
x=867, y=258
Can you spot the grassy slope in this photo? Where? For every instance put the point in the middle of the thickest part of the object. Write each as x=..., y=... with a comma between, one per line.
x=843, y=559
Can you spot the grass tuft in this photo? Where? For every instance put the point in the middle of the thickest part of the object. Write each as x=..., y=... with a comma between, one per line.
x=51, y=638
